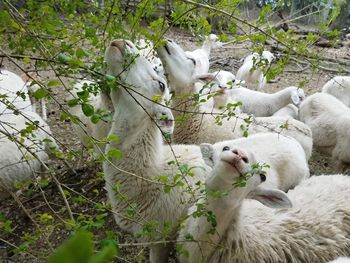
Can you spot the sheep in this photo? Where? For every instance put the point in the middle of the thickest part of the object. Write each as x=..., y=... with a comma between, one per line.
x=18, y=152
x=251, y=70
x=339, y=87
x=13, y=92
x=132, y=181
x=201, y=55
x=263, y=104
x=197, y=125
x=329, y=120
x=312, y=223
x=289, y=110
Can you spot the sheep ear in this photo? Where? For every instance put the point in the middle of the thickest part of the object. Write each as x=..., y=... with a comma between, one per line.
x=270, y=197
x=207, y=151
x=295, y=98
x=206, y=77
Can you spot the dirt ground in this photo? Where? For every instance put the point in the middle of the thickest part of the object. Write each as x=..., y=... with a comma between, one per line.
x=87, y=183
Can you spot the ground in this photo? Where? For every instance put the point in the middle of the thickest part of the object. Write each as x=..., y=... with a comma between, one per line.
x=86, y=182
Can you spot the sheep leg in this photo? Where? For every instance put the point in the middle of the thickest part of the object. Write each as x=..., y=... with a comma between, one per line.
x=159, y=253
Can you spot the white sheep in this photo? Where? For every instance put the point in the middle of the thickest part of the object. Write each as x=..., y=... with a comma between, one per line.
x=339, y=87
x=329, y=120
x=251, y=70
x=262, y=104
x=17, y=154
x=290, y=110
x=132, y=183
x=13, y=93
x=315, y=229
x=197, y=125
x=201, y=55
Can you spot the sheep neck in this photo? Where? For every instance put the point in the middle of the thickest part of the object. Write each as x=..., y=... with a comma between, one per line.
x=187, y=117
x=282, y=98
x=206, y=47
x=140, y=141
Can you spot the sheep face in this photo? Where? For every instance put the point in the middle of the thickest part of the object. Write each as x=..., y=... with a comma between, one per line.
x=232, y=164
x=179, y=67
x=140, y=81
x=297, y=95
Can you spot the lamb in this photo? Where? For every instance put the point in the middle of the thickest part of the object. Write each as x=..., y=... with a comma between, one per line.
x=14, y=93
x=17, y=157
x=251, y=70
x=201, y=55
x=315, y=229
x=263, y=104
x=134, y=177
x=339, y=87
x=329, y=120
x=197, y=125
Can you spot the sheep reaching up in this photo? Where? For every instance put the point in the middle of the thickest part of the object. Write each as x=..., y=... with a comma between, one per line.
x=251, y=70
x=339, y=87
x=239, y=232
x=195, y=124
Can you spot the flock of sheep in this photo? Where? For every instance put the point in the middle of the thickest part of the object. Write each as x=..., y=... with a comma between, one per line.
x=311, y=219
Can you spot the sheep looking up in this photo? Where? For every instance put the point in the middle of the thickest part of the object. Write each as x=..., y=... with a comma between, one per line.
x=329, y=120
x=195, y=124
x=315, y=229
x=251, y=70
x=339, y=87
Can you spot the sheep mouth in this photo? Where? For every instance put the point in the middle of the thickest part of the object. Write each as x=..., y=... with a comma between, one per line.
x=231, y=164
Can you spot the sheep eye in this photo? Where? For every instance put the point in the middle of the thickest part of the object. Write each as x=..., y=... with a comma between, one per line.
x=262, y=177
x=226, y=148
x=194, y=62
x=161, y=86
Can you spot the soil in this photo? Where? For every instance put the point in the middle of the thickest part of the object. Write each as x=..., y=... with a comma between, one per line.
x=87, y=183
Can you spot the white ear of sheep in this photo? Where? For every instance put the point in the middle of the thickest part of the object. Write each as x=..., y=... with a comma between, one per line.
x=271, y=197
x=208, y=152
x=297, y=96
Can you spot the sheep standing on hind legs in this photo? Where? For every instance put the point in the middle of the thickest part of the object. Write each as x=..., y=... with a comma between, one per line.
x=316, y=229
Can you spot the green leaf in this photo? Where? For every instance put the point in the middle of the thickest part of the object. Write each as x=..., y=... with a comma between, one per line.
x=39, y=94
x=109, y=77
x=77, y=249
x=105, y=255
x=73, y=102
x=114, y=153
x=87, y=109
x=64, y=58
x=54, y=82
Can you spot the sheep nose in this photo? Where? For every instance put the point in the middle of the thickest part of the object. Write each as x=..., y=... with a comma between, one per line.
x=241, y=155
x=222, y=89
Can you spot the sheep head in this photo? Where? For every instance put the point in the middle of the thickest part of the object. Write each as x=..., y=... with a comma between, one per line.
x=233, y=166
x=140, y=84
